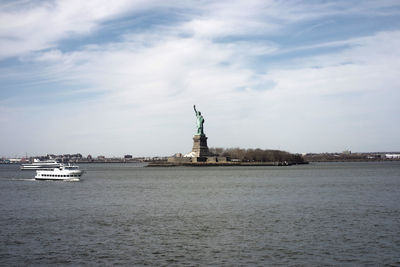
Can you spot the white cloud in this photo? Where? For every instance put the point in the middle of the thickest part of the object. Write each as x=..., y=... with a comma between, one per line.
x=40, y=25
x=34, y=26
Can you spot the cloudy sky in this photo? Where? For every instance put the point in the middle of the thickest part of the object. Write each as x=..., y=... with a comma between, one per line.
x=121, y=77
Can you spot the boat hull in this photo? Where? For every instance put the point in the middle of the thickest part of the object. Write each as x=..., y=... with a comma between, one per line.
x=56, y=175
x=57, y=179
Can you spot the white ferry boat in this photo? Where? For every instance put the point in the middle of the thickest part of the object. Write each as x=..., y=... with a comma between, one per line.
x=62, y=173
x=38, y=165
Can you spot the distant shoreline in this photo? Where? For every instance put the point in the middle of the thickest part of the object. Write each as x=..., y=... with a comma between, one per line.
x=354, y=160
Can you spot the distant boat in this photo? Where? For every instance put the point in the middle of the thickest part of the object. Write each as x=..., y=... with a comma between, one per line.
x=38, y=165
x=62, y=173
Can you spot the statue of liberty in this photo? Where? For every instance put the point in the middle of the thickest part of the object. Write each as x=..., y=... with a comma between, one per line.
x=200, y=122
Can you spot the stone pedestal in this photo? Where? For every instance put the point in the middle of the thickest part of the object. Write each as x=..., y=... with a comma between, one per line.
x=200, y=147
x=200, y=155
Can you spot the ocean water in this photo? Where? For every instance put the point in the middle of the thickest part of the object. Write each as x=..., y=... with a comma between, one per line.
x=335, y=214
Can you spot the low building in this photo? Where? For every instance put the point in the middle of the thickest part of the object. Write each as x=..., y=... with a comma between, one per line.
x=392, y=156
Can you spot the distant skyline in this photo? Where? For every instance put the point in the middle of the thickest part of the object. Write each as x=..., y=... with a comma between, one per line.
x=121, y=77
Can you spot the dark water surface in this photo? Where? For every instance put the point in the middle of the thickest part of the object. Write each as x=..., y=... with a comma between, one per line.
x=340, y=214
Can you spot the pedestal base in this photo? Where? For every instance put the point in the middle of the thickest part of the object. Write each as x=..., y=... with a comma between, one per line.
x=200, y=147
x=200, y=155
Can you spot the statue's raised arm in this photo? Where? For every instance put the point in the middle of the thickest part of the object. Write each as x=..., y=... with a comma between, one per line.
x=194, y=107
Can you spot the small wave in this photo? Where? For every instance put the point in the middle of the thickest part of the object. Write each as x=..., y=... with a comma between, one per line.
x=33, y=179
x=72, y=180
x=21, y=179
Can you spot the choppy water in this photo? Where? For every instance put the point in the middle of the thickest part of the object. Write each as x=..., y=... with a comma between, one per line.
x=320, y=214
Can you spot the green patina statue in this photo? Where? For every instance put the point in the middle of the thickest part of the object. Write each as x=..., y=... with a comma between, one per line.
x=200, y=122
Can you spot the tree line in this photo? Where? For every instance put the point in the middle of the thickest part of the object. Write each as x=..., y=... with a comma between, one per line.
x=257, y=155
